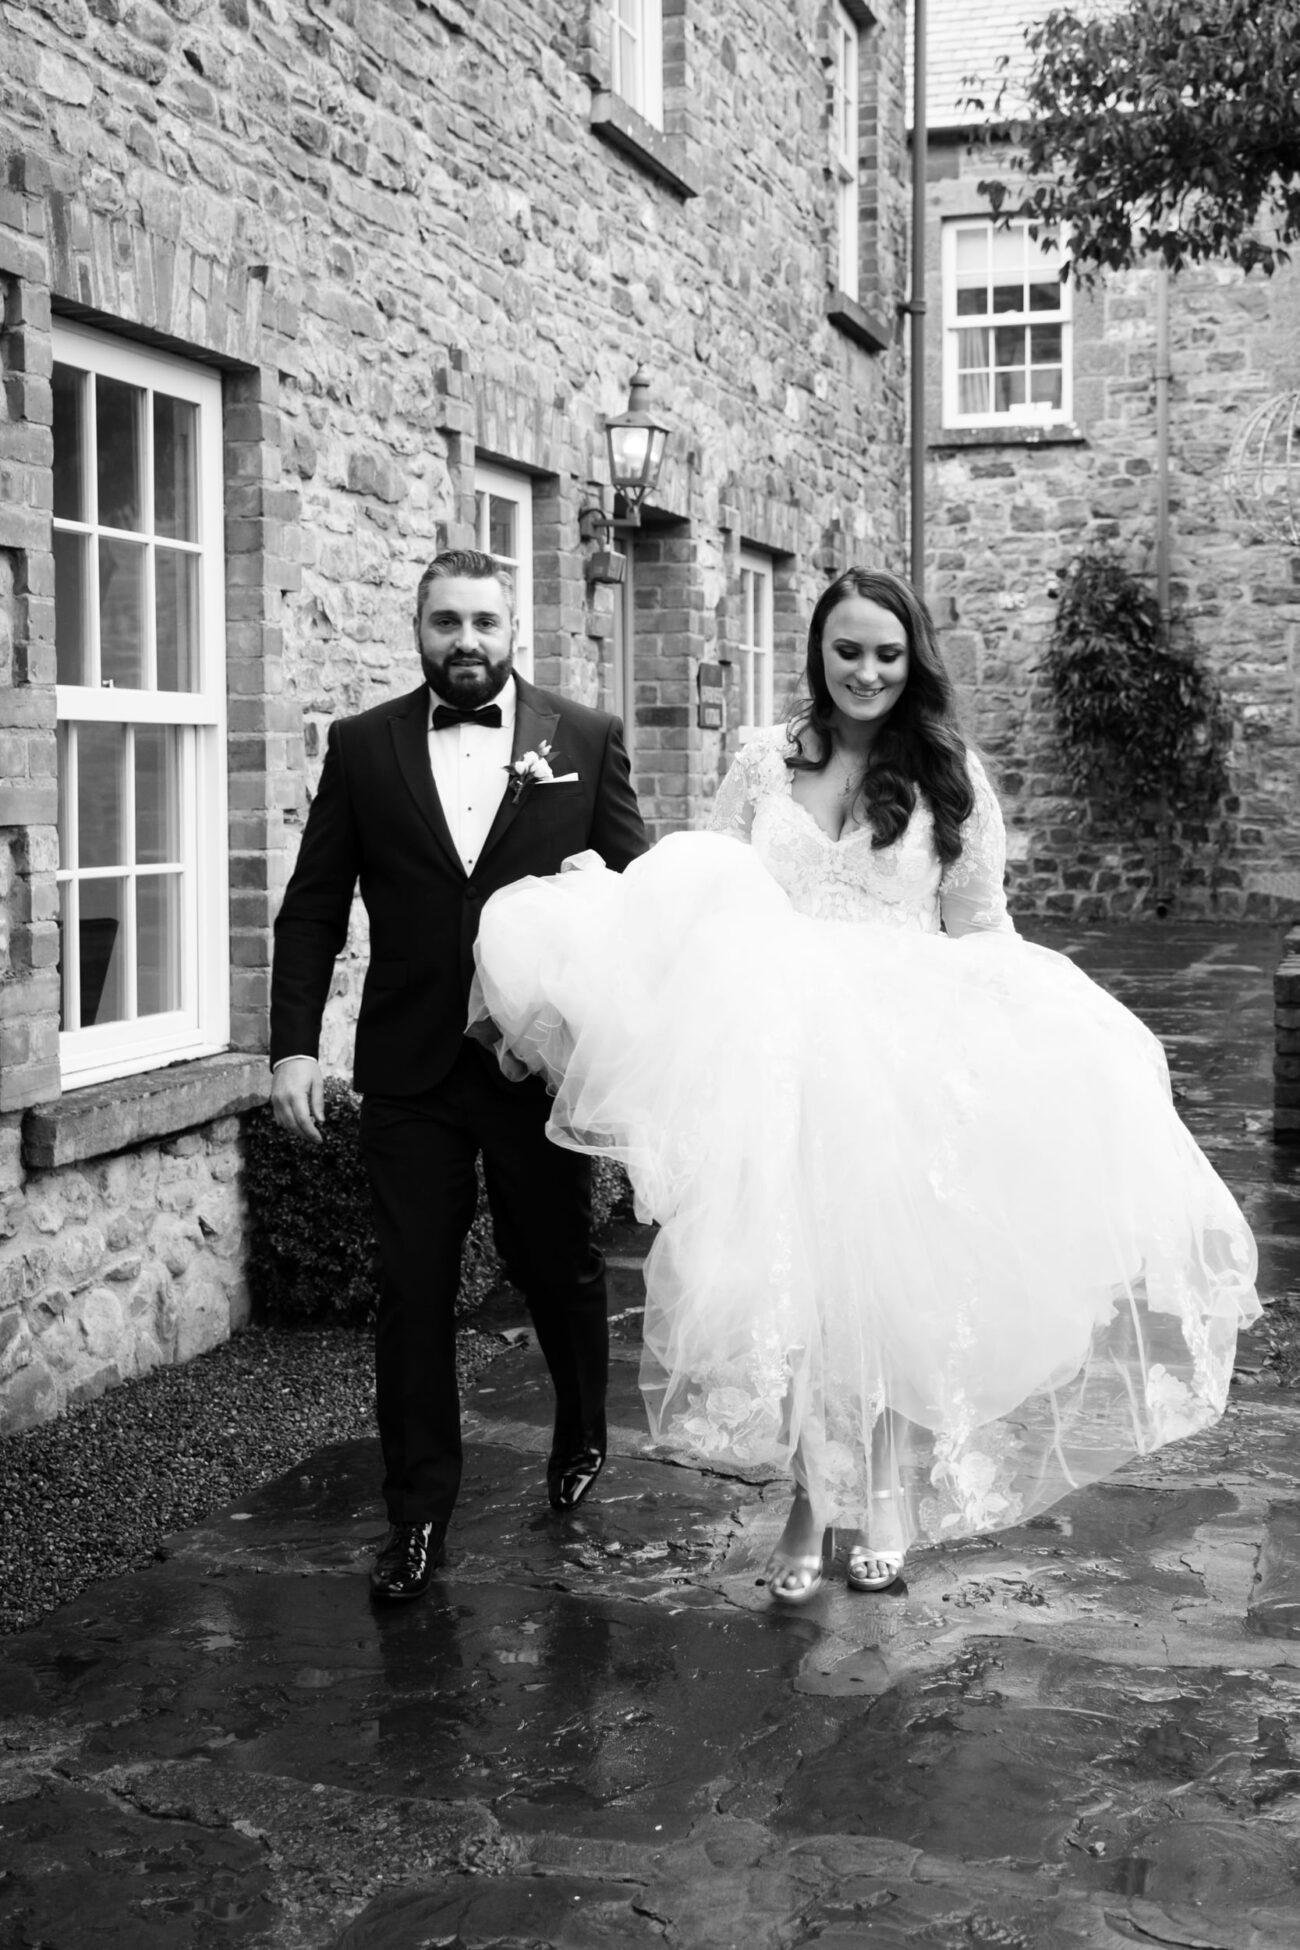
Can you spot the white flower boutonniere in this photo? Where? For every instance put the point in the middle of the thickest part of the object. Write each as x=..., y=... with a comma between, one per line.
x=530, y=766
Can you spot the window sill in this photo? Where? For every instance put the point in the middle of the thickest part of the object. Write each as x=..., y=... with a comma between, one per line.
x=1022, y=435
x=156, y=1104
x=661, y=156
x=857, y=323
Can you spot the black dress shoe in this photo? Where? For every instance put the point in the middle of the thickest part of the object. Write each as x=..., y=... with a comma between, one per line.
x=408, y=1560
x=568, y=1478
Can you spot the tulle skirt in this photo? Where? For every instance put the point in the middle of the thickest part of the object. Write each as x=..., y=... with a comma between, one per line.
x=930, y=1228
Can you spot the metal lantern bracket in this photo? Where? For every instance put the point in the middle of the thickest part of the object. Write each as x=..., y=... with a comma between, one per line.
x=635, y=444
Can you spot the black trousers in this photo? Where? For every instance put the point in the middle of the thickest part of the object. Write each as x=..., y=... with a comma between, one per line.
x=420, y=1154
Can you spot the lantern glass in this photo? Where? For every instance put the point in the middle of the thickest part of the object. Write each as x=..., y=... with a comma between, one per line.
x=629, y=450
x=635, y=447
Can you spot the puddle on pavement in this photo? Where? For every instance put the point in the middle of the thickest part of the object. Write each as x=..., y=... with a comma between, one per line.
x=151, y=1884
x=1121, y=1519
x=1015, y=1751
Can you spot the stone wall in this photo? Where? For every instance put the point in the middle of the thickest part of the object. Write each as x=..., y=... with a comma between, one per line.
x=410, y=238
x=113, y=1267
x=1008, y=512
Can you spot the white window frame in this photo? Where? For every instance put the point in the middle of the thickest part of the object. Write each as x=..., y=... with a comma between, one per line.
x=755, y=633
x=505, y=484
x=845, y=144
x=1044, y=265
x=200, y=1026
x=637, y=56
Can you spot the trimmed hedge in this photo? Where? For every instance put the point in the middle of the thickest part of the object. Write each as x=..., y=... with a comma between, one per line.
x=311, y=1252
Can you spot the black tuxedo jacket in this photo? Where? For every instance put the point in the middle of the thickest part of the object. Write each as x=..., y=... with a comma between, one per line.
x=377, y=821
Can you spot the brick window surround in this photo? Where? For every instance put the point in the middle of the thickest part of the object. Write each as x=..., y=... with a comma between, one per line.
x=72, y=261
x=666, y=154
x=858, y=314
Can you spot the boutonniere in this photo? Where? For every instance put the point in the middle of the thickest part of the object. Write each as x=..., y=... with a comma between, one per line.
x=529, y=767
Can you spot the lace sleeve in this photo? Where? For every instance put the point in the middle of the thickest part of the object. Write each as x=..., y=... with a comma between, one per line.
x=732, y=810
x=971, y=895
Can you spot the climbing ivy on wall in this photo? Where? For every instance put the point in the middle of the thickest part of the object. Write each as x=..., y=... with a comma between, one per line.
x=1142, y=722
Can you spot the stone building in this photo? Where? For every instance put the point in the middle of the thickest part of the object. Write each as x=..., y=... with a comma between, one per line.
x=1042, y=418
x=293, y=292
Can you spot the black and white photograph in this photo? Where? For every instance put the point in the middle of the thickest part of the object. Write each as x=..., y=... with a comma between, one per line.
x=649, y=974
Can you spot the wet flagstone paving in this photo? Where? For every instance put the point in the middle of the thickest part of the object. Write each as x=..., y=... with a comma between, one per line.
x=596, y=1731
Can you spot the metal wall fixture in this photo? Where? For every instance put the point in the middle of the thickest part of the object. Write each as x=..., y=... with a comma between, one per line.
x=635, y=444
x=1262, y=474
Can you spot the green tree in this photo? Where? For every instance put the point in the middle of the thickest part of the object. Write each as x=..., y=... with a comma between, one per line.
x=1169, y=127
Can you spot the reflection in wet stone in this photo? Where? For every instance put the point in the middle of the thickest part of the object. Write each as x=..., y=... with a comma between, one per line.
x=73, y=1854
x=1274, y=1607
x=1017, y=1752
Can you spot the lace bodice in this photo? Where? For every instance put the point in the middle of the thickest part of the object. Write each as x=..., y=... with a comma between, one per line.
x=903, y=885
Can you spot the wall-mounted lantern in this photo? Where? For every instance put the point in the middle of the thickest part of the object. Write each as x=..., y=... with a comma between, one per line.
x=635, y=444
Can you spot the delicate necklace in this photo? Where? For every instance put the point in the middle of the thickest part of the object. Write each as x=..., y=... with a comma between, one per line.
x=854, y=775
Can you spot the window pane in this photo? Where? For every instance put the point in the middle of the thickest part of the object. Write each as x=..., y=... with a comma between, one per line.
x=1009, y=345
x=69, y=443
x=176, y=619
x=158, y=943
x=101, y=946
x=1046, y=342
x=503, y=530
x=972, y=298
x=972, y=349
x=119, y=438
x=761, y=631
x=1045, y=294
x=1008, y=297
x=70, y=552
x=973, y=392
x=65, y=838
x=157, y=794
x=121, y=613
x=175, y=431
x=1045, y=386
x=1008, y=251
x=65, y=999
x=101, y=836
x=1009, y=391
x=972, y=250
x=627, y=34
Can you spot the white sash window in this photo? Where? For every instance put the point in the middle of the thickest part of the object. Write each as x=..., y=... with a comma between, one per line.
x=503, y=528
x=844, y=146
x=637, y=56
x=754, y=647
x=1007, y=327
x=141, y=706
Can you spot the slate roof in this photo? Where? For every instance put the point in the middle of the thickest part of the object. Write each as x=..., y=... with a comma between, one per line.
x=964, y=39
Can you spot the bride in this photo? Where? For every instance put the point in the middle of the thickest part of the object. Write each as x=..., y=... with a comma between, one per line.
x=932, y=1237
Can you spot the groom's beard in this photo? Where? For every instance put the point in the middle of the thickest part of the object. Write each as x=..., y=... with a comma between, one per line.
x=467, y=681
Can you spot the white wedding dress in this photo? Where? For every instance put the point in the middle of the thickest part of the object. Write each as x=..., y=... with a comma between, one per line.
x=905, y=1164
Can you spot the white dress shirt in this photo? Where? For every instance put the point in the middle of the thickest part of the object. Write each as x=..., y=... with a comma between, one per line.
x=470, y=764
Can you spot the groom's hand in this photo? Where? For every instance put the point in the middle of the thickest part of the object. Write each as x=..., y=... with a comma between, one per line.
x=298, y=1096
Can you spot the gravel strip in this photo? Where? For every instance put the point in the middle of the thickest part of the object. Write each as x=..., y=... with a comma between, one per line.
x=94, y=1493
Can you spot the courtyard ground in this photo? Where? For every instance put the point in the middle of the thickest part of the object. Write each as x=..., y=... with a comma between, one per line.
x=597, y=1730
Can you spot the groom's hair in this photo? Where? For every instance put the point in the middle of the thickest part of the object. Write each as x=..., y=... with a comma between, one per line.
x=464, y=562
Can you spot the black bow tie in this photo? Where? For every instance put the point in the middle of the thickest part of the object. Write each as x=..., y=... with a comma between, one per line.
x=447, y=714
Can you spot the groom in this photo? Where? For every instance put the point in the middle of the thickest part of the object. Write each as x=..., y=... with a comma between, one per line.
x=424, y=803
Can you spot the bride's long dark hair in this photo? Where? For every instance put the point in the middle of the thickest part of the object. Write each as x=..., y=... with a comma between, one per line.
x=919, y=747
